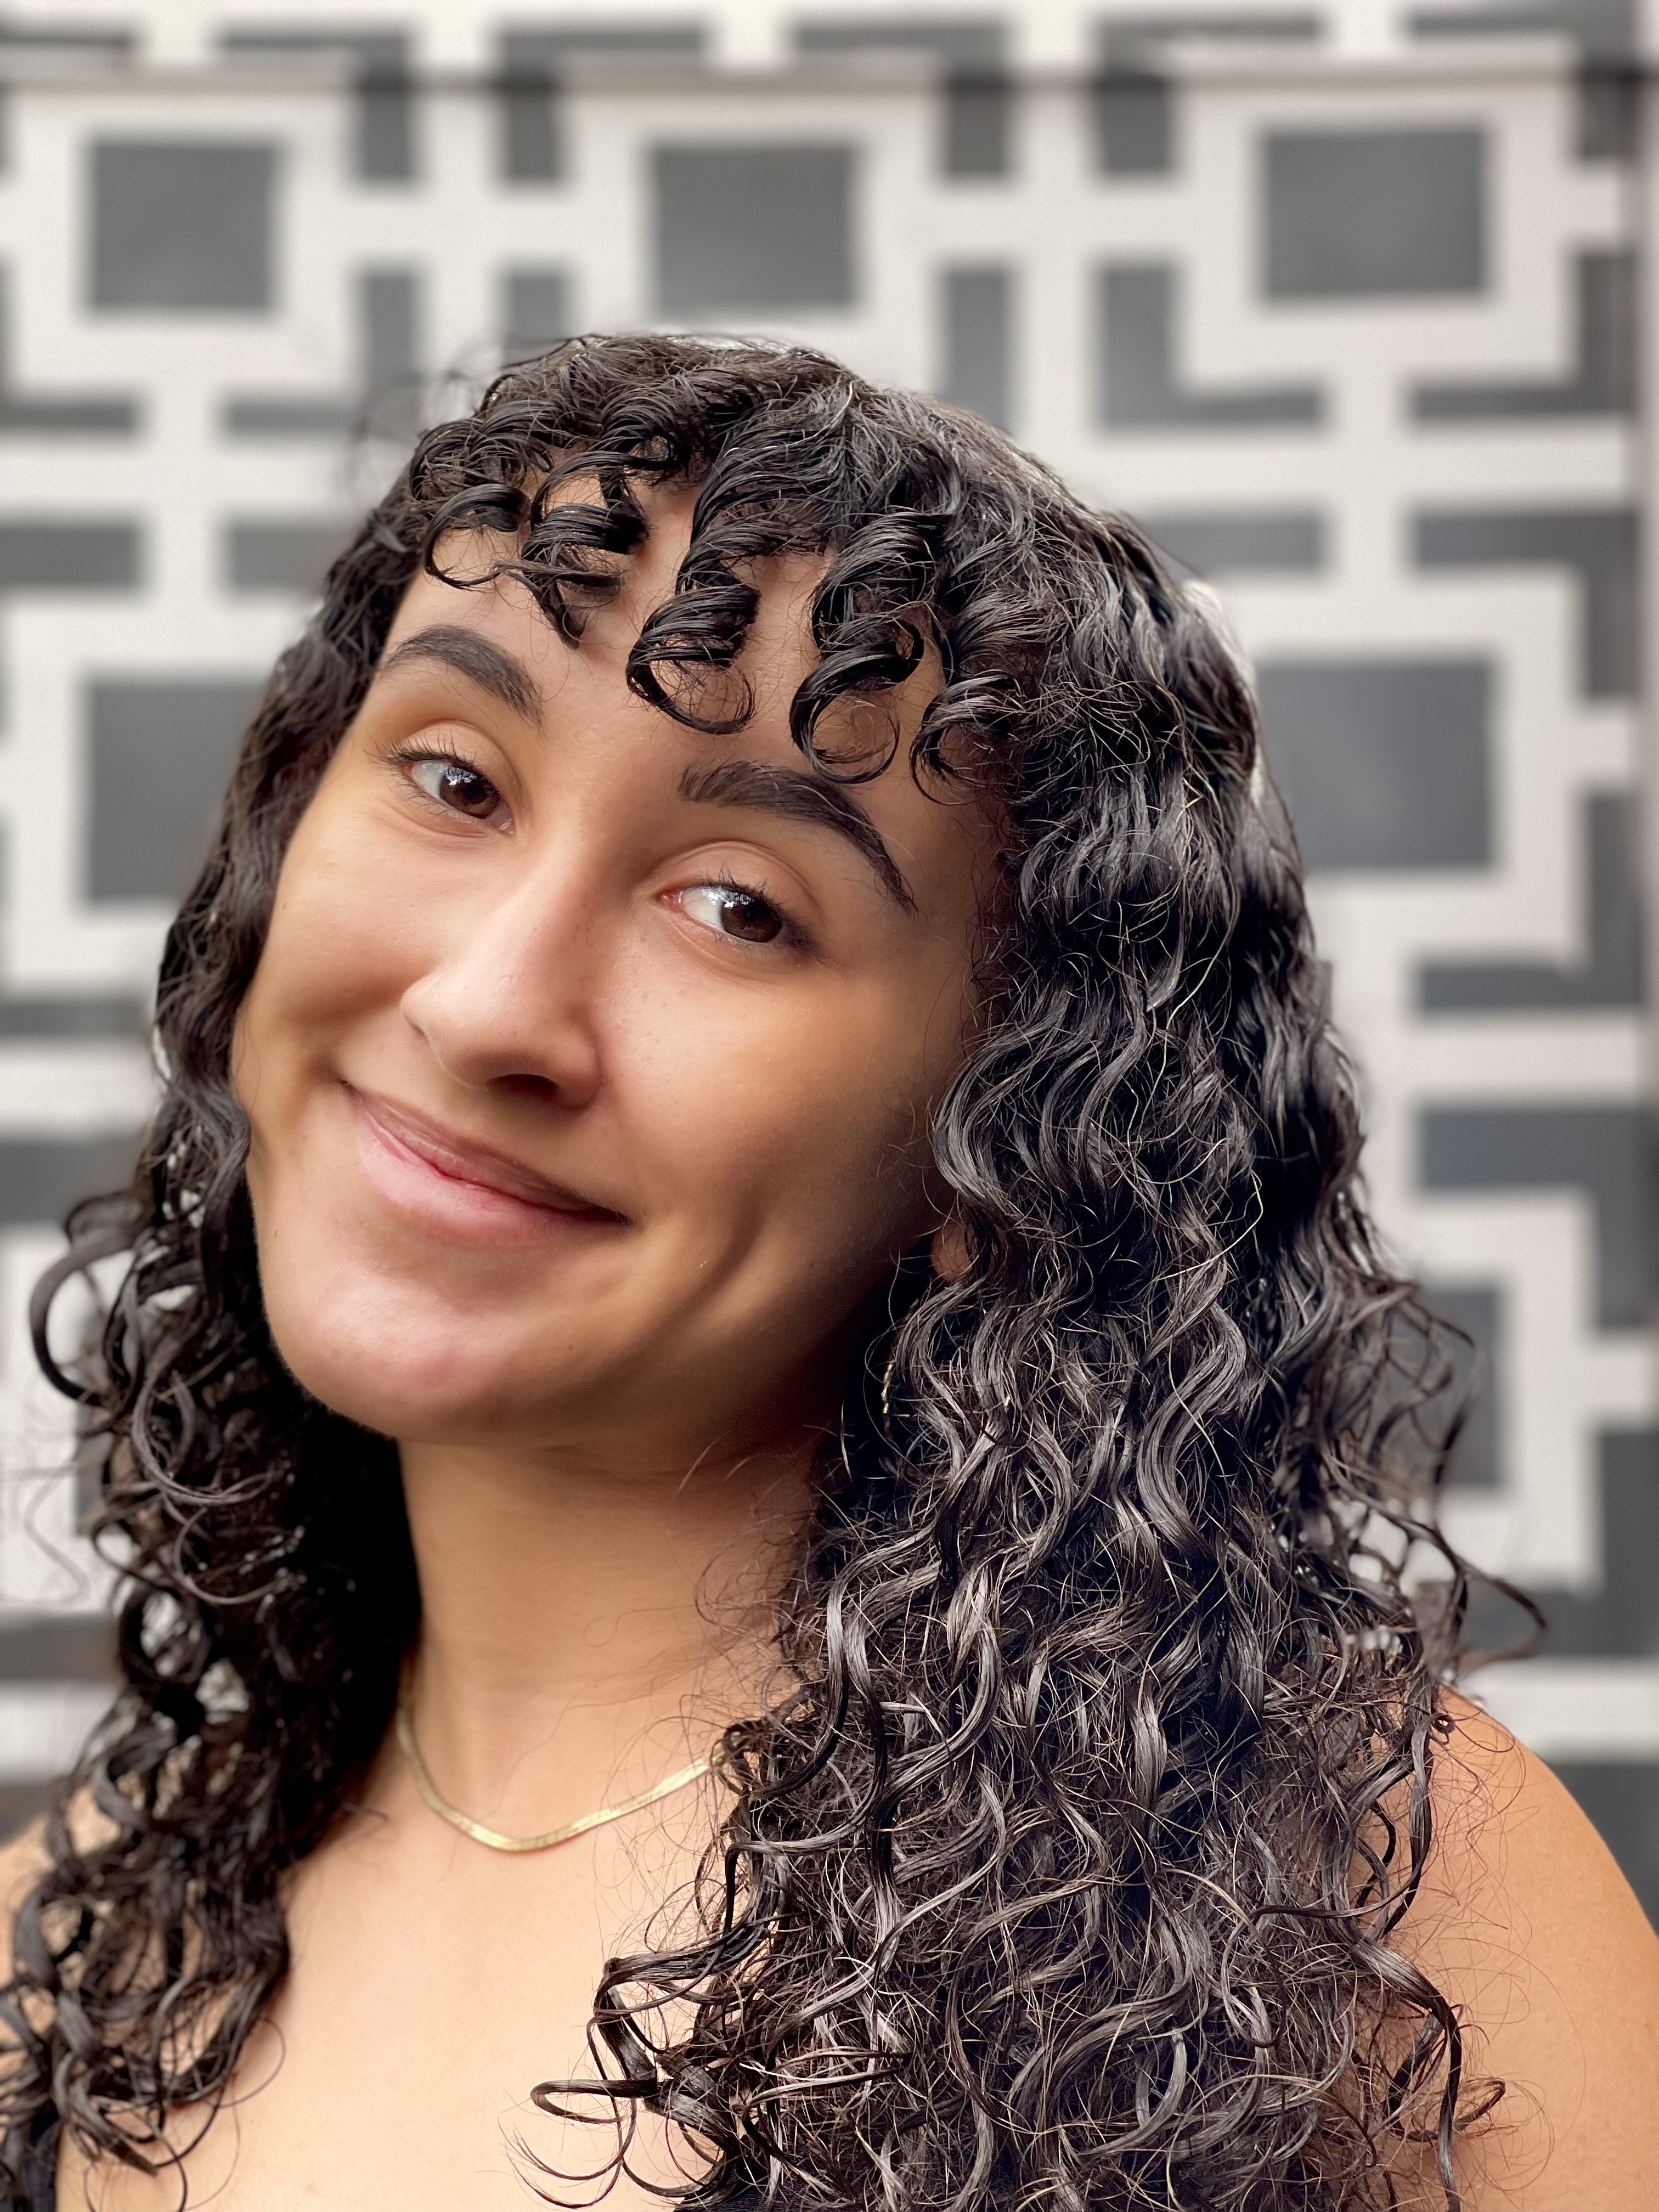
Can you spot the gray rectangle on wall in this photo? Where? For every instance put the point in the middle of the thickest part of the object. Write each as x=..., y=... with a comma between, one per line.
x=1350, y=214
x=48, y=553
x=741, y=227
x=283, y=554
x=538, y=311
x=1384, y=763
x=160, y=757
x=978, y=317
x=181, y=226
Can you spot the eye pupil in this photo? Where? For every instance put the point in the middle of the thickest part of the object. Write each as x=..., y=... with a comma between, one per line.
x=744, y=915
x=465, y=788
x=452, y=784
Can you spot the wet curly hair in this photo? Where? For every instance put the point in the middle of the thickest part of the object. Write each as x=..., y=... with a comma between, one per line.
x=1069, y=1870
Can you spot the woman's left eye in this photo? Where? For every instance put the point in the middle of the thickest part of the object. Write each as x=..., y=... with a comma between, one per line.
x=731, y=911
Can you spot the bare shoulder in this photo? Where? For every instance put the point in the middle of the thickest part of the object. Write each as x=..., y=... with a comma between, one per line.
x=1527, y=1925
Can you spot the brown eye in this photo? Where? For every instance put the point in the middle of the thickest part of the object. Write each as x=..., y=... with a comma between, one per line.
x=458, y=786
x=734, y=912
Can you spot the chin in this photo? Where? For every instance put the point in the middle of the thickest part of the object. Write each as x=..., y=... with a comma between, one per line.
x=397, y=1358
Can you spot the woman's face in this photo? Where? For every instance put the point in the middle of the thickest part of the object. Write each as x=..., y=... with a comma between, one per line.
x=590, y=1059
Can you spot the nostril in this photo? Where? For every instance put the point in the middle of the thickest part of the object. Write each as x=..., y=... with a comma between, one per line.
x=526, y=1085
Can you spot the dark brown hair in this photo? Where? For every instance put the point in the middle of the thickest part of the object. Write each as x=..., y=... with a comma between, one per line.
x=1070, y=1871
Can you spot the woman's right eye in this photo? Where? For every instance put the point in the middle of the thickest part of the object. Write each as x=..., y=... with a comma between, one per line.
x=457, y=785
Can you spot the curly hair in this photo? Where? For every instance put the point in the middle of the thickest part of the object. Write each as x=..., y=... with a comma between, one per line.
x=1069, y=1871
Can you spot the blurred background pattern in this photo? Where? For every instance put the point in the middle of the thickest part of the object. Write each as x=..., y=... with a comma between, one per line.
x=1341, y=297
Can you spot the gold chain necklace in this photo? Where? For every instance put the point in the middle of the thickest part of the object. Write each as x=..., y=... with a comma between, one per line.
x=491, y=1837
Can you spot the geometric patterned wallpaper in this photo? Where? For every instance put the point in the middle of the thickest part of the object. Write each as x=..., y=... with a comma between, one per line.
x=1343, y=298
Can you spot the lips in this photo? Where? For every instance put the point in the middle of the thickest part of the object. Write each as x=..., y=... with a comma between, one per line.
x=473, y=1170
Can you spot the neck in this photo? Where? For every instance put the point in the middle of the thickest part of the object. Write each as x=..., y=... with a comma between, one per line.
x=588, y=1627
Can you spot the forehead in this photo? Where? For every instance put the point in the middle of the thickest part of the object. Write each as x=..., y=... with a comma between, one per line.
x=943, y=835
x=778, y=649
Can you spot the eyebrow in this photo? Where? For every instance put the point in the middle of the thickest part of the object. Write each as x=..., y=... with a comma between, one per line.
x=475, y=658
x=788, y=792
x=799, y=797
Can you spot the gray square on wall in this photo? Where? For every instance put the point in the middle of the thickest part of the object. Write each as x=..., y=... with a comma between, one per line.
x=979, y=342
x=538, y=311
x=1382, y=763
x=160, y=758
x=1357, y=213
x=739, y=227
x=181, y=227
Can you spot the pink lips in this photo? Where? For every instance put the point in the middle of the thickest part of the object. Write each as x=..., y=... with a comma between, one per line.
x=458, y=1189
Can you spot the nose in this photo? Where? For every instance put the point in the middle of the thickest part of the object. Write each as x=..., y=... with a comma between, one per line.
x=509, y=1003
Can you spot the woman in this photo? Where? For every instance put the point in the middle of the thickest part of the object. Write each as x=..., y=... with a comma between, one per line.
x=752, y=1378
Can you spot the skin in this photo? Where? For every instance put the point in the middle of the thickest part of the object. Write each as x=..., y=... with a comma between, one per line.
x=1526, y=1924
x=574, y=1173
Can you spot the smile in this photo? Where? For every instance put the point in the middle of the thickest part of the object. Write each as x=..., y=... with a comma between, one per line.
x=457, y=1189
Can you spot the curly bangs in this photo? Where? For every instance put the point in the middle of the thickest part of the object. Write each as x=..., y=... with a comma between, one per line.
x=1068, y=1868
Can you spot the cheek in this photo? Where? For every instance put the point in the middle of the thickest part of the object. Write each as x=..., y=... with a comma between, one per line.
x=799, y=1140
x=341, y=942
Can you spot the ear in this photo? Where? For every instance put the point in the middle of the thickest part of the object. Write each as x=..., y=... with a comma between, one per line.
x=949, y=1250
